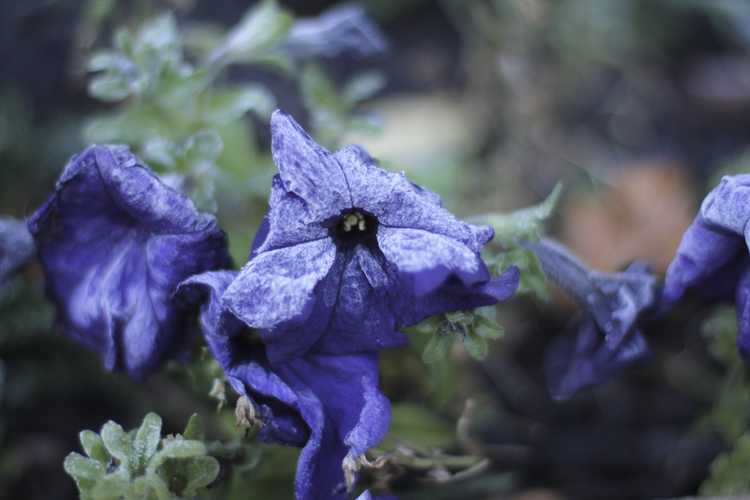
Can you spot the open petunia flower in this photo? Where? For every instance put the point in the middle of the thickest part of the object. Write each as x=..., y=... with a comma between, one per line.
x=114, y=242
x=349, y=253
x=713, y=259
x=16, y=246
x=607, y=339
x=330, y=405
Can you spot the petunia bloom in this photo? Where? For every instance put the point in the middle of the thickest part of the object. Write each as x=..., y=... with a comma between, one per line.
x=330, y=405
x=16, y=246
x=114, y=242
x=349, y=253
x=607, y=338
x=713, y=259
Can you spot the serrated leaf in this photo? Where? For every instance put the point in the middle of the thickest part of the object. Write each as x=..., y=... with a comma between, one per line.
x=363, y=86
x=437, y=348
x=262, y=28
x=146, y=441
x=476, y=346
x=94, y=446
x=200, y=472
x=523, y=224
x=194, y=428
x=118, y=444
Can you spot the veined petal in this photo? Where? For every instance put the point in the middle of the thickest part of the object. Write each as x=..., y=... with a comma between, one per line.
x=397, y=202
x=308, y=170
x=728, y=205
x=703, y=251
x=288, y=293
x=346, y=412
x=430, y=259
x=114, y=243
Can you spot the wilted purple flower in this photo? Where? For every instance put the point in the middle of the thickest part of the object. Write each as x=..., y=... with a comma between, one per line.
x=344, y=28
x=16, y=246
x=114, y=242
x=608, y=338
x=349, y=253
x=328, y=404
x=712, y=258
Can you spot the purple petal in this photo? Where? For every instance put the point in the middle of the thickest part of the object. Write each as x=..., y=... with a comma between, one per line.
x=308, y=170
x=728, y=205
x=16, y=246
x=244, y=361
x=346, y=412
x=743, y=315
x=703, y=251
x=114, y=243
x=282, y=289
x=399, y=203
x=585, y=360
x=344, y=28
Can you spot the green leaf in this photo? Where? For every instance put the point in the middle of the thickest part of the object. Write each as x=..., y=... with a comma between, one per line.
x=363, y=86
x=94, y=446
x=262, y=28
x=523, y=224
x=160, y=150
x=146, y=441
x=111, y=487
x=159, y=34
x=224, y=106
x=204, y=145
x=437, y=348
x=729, y=472
x=532, y=279
x=118, y=444
x=200, y=472
x=176, y=447
x=149, y=487
x=109, y=88
x=194, y=428
x=487, y=328
x=82, y=468
x=476, y=346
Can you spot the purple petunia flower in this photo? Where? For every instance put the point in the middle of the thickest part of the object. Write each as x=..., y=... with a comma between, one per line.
x=713, y=259
x=349, y=253
x=114, y=242
x=608, y=338
x=330, y=405
x=16, y=246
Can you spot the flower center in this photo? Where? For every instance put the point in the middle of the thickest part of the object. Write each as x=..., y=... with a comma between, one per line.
x=355, y=227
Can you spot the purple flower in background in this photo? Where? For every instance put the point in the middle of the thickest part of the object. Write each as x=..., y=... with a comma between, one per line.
x=349, y=253
x=114, y=242
x=16, y=246
x=608, y=338
x=712, y=258
x=328, y=404
x=344, y=28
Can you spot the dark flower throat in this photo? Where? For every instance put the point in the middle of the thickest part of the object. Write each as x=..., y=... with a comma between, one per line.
x=355, y=227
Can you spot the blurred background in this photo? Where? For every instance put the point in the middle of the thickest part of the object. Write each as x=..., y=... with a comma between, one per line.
x=637, y=106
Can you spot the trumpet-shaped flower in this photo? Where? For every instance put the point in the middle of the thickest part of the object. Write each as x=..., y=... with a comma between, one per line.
x=114, y=242
x=328, y=404
x=349, y=253
x=713, y=259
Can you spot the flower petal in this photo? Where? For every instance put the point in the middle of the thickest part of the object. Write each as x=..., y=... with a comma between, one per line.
x=728, y=204
x=288, y=293
x=307, y=169
x=704, y=250
x=16, y=246
x=244, y=362
x=743, y=315
x=361, y=318
x=399, y=203
x=114, y=243
x=346, y=412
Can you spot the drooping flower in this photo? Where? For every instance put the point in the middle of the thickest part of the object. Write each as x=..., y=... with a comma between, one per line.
x=349, y=253
x=16, y=246
x=607, y=338
x=114, y=242
x=330, y=405
x=713, y=259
